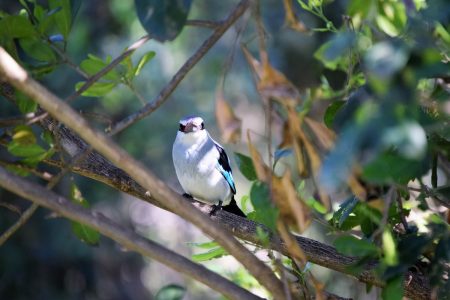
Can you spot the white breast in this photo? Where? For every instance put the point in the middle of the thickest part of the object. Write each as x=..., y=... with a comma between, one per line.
x=195, y=159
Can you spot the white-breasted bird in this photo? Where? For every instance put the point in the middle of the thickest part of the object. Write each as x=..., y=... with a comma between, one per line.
x=202, y=166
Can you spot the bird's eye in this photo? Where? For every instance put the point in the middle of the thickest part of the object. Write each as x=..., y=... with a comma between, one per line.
x=182, y=127
x=203, y=125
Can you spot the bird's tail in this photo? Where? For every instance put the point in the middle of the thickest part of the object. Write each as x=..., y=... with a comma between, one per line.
x=234, y=208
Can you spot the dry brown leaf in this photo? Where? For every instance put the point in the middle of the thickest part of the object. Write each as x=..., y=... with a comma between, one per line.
x=357, y=189
x=323, y=134
x=229, y=124
x=298, y=208
x=270, y=82
x=291, y=19
x=261, y=169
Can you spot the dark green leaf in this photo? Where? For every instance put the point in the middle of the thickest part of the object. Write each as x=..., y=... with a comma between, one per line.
x=163, y=20
x=98, y=89
x=345, y=209
x=442, y=191
x=393, y=289
x=265, y=212
x=389, y=167
x=143, y=61
x=334, y=51
x=245, y=165
x=85, y=233
x=63, y=15
x=350, y=245
x=331, y=112
x=16, y=27
x=37, y=49
x=25, y=104
x=171, y=292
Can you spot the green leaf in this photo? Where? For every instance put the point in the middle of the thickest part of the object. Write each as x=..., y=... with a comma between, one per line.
x=265, y=212
x=209, y=255
x=37, y=49
x=389, y=248
x=389, y=167
x=245, y=165
x=93, y=64
x=336, y=50
x=85, y=233
x=25, y=104
x=331, y=112
x=393, y=289
x=207, y=245
x=63, y=16
x=98, y=89
x=350, y=245
x=143, y=61
x=171, y=292
x=316, y=205
x=344, y=211
x=163, y=20
x=16, y=27
x=25, y=150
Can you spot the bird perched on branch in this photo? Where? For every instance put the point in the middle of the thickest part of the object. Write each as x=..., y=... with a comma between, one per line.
x=202, y=166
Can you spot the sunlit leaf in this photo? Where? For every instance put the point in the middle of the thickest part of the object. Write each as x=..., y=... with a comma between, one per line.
x=143, y=61
x=98, y=89
x=389, y=248
x=163, y=20
x=209, y=255
x=171, y=292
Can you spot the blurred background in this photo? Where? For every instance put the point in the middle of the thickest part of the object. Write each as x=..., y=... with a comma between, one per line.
x=44, y=260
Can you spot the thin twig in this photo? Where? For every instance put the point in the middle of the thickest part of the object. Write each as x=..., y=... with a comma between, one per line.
x=11, y=207
x=108, y=68
x=22, y=220
x=204, y=23
x=182, y=72
x=127, y=238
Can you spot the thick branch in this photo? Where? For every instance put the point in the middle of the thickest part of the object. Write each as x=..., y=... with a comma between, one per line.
x=127, y=238
x=98, y=168
x=17, y=76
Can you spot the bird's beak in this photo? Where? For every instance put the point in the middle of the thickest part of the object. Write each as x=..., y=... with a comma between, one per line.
x=189, y=128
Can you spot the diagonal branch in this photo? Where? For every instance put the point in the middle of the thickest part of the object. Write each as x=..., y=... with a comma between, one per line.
x=98, y=168
x=127, y=238
x=17, y=76
x=188, y=65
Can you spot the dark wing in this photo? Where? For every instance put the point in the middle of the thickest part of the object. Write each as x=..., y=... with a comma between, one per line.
x=224, y=167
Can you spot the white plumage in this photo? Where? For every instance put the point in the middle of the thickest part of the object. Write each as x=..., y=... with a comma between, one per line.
x=201, y=164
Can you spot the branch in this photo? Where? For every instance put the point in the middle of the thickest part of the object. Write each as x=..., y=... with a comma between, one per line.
x=98, y=168
x=127, y=238
x=188, y=65
x=21, y=221
x=17, y=76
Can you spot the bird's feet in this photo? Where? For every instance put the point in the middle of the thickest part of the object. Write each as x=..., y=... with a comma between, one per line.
x=215, y=208
x=186, y=195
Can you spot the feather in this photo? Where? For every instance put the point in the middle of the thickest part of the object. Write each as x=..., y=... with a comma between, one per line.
x=223, y=165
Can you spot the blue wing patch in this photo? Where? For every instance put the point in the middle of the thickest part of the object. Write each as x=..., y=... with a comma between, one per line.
x=224, y=168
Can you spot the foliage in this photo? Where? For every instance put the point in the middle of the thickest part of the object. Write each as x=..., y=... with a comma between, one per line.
x=361, y=169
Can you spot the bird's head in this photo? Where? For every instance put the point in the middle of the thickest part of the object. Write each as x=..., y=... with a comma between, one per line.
x=191, y=124
x=191, y=130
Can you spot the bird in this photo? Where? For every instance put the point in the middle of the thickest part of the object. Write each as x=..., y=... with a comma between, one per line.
x=202, y=167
